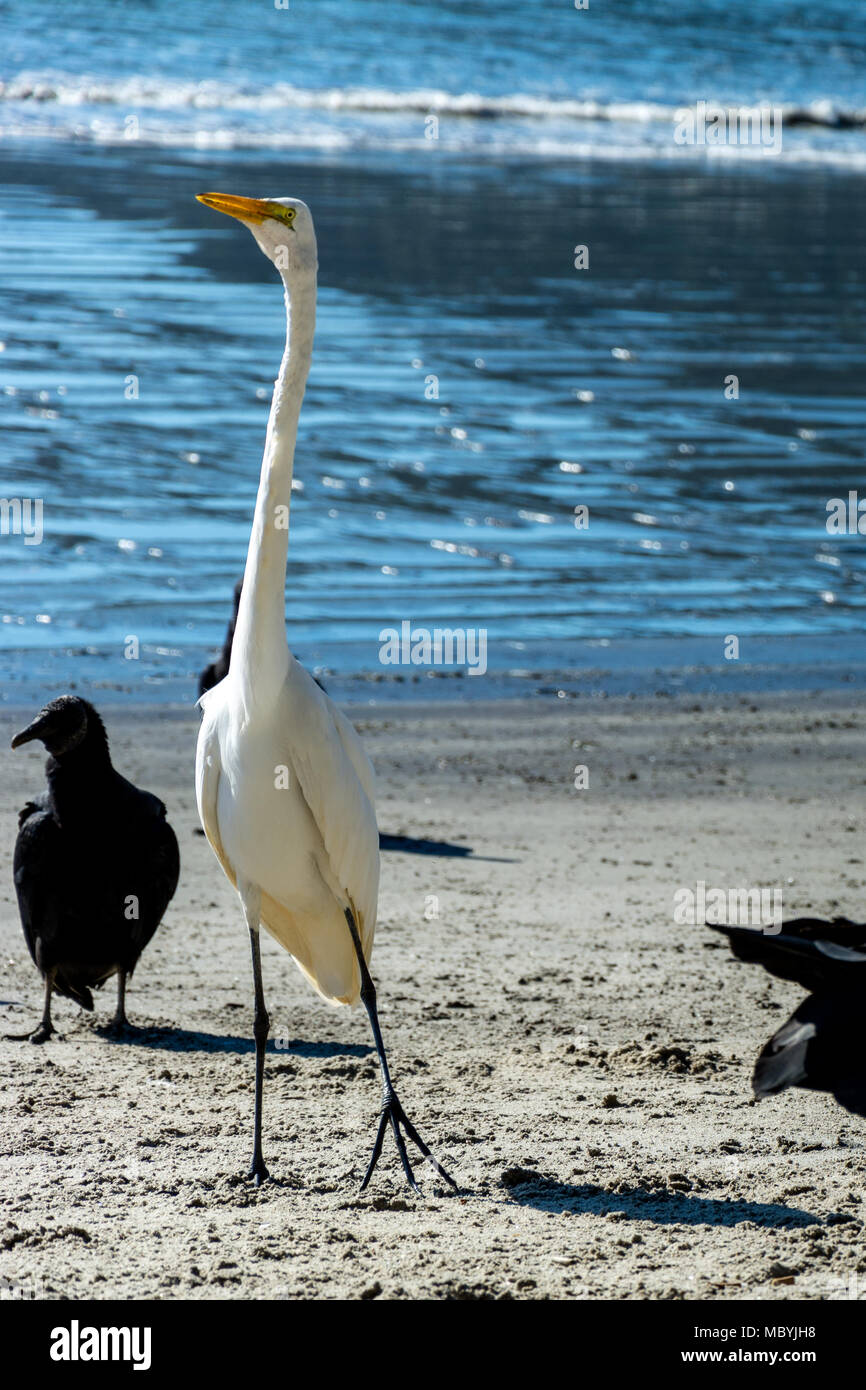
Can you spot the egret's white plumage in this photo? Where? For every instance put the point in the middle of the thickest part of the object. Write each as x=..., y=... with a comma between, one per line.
x=284, y=787
x=307, y=837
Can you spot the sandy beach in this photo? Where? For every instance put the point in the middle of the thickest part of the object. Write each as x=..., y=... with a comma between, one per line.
x=579, y=1061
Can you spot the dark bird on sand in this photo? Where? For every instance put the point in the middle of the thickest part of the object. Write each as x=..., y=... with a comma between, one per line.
x=822, y=1047
x=96, y=863
x=219, y=668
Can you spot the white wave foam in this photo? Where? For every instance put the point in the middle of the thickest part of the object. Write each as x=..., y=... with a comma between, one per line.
x=339, y=141
x=216, y=116
x=158, y=94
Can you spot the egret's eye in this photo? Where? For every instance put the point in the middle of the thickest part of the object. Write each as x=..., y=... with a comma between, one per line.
x=287, y=215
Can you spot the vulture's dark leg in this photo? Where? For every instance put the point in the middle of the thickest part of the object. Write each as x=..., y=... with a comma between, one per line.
x=392, y=1111
x=120, y=1023
x=261, y=1027
x=46, y=1027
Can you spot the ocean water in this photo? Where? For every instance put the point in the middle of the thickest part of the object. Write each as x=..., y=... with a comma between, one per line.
x=504, y=76
x=470, y=386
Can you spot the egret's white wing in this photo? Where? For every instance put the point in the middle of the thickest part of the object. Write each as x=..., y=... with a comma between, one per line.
x=208, y=770
x=355, y=751
x=336, y=781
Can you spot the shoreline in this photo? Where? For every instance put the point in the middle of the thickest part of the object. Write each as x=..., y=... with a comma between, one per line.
x=578, y=670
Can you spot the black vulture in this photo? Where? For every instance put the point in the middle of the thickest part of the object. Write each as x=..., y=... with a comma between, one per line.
x=219, y=669
x=822, y=1047
x=96, y=863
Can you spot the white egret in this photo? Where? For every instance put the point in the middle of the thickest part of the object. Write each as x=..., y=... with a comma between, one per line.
x=284, y=787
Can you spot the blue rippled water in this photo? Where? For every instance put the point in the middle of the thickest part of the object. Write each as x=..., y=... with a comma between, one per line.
x=471, y=387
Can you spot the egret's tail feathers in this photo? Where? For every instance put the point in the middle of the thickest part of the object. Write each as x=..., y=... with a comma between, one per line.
x=322, y=949
x=822, y=1047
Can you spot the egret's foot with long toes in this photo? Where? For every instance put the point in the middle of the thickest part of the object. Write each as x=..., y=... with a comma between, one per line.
x=258, y=1172
x=393, y=1113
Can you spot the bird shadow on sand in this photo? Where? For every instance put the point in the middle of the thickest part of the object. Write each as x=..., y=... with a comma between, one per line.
x=443, y=849
x=661, y=1206
x=407, y=844
x=186, y=1040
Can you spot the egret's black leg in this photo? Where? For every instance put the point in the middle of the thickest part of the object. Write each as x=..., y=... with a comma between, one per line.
x=261, y=1027
x=46, y=1027
x=392, y=1111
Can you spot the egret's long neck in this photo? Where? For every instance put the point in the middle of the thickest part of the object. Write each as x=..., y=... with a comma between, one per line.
x=260, y=654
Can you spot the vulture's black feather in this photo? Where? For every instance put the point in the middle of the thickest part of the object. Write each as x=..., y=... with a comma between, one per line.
x=96, y=862
x=219, y=668
x=822, y=1047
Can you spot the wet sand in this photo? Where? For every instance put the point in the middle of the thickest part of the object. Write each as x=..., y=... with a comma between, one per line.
x=579, y=1062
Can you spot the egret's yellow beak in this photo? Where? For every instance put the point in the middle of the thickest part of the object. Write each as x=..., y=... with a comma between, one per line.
x=245, y=209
